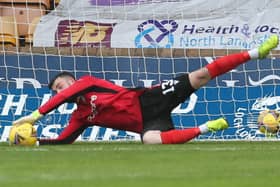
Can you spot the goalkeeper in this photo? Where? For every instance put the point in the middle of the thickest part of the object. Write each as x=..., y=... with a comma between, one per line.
x=145, y=110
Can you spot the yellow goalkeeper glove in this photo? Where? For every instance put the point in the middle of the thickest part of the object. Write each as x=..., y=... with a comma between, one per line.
x=31, y=118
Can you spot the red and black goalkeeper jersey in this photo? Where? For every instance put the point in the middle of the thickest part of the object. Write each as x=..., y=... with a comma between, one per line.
x=102, y=103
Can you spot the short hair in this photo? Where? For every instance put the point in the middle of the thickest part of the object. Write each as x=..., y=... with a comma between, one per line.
x=62, y=74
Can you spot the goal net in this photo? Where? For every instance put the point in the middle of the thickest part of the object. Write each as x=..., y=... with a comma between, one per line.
x=139, y=43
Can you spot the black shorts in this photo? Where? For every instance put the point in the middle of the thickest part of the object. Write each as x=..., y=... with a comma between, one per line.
x=158, y=102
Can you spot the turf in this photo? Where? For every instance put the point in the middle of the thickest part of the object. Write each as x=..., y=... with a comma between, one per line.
x=133, y=164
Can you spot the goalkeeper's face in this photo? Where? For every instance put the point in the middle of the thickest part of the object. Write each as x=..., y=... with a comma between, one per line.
x=62, y=83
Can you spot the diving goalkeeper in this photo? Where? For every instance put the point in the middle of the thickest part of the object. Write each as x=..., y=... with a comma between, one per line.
x=145, y=110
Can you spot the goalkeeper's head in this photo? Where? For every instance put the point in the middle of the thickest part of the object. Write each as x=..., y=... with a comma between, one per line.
x=61, y=81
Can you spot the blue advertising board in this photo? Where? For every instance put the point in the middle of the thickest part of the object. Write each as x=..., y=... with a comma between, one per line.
x=238, y=95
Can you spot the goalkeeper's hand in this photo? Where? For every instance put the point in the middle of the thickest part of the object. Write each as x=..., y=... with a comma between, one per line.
x=31, y=118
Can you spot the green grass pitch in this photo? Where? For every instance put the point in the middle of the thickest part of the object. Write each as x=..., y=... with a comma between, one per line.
x=122, y=164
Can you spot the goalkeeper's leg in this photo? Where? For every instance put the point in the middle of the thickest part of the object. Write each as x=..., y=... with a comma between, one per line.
x=224, y=64
x=179, y=136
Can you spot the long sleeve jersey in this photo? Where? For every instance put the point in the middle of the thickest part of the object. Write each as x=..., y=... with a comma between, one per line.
x=100, y=102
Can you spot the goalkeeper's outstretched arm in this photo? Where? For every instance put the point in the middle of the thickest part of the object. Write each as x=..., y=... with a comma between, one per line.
x=68, y=90
x=69, y=134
